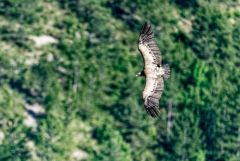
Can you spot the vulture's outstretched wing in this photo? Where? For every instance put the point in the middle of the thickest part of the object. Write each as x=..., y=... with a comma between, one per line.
x=148, y=46
x=152, y=93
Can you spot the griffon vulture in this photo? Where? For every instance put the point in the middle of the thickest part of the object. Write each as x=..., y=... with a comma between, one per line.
x=153, y=71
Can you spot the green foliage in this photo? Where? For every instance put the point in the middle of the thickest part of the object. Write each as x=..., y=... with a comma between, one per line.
x=13, y=147
x=24, y=11
x=113, y=146
x=86, y=83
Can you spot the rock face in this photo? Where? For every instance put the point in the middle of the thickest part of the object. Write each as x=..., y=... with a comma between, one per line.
x=35, y=108
x=2, y=136
x=43, y=40
x=32, y=150
x=79, y=155
x=30, y=121
x=185, y=25
x=33, y=111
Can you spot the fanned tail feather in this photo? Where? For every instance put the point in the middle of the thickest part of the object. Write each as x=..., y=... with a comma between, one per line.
x=167, y=71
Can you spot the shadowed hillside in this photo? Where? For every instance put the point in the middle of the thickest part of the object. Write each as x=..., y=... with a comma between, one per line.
x=68, y=89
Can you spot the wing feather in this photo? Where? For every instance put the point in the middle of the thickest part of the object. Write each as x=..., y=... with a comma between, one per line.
x=151, y=94
x=148, y=46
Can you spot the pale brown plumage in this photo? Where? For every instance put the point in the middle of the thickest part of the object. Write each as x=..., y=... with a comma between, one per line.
x=153, y=70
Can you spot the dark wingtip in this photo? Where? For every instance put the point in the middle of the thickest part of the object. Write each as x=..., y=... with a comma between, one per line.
x=153, y=111
x=146, y=33
x=151, y=107
x=146, y=28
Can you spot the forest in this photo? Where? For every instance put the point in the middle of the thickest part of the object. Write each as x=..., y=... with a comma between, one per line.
x=68, y=90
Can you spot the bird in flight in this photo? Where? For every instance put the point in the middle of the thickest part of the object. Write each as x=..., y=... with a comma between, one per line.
x=154, y=71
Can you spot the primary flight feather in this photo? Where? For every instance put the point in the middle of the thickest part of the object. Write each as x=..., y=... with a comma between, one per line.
x=154, y=71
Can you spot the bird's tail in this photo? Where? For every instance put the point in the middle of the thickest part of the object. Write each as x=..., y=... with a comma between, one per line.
x=167, y=71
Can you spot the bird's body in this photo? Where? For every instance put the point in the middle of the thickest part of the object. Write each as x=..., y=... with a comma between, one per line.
x=153, y=71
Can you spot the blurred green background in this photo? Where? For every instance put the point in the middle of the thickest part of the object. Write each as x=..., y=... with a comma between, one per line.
x=68, y=89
